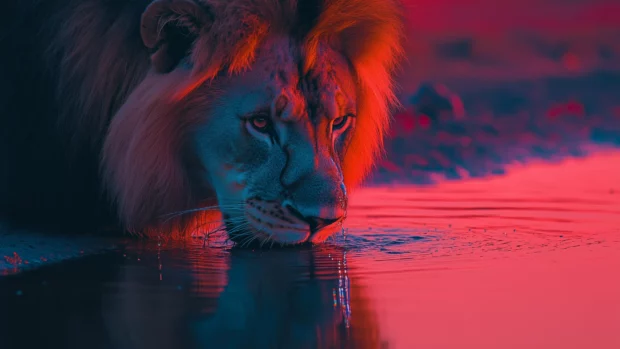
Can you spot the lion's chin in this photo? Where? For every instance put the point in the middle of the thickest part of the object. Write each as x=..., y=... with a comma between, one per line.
x=281, y=234
x=289, y=237
x=262, y=236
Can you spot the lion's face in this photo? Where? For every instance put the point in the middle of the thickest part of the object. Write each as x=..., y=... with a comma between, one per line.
x=273, y=144
x=268, y=107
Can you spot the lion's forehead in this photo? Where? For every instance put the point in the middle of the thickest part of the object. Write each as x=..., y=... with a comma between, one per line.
x=323, y=90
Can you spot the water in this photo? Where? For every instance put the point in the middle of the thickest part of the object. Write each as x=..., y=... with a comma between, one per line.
x=529, y=259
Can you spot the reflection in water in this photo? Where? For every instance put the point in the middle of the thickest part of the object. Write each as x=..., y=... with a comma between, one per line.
x=191, y=297
x=286, y=299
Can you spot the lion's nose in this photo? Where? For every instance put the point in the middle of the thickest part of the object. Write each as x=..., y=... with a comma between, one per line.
x=316, y=223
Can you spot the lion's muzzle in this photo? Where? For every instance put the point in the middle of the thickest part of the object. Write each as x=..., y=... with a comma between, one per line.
x=323, y=226
x=285, y=224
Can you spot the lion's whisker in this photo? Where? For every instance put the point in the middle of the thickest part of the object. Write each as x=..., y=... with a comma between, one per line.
x=229, y=207
x=245, y=237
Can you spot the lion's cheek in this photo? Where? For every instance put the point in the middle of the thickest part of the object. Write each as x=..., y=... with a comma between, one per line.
x=228, y=179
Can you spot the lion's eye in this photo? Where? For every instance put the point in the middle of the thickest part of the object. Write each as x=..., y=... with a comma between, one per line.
x=340, y=122
x=260, y=123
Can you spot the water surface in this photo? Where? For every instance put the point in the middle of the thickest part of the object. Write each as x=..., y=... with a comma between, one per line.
x=529, y=259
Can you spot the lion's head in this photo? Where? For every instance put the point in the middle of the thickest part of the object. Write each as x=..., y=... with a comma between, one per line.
x=268, y=110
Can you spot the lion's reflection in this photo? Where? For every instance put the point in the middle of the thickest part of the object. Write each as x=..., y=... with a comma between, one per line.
x=244, y=299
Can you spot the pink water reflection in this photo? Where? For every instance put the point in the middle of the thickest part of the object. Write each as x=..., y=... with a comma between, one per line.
x=527, y=260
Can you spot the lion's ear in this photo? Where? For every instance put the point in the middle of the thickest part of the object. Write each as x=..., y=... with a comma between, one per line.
x=170, y=27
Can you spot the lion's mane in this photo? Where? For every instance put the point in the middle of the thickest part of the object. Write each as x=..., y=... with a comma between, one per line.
x=88, y=107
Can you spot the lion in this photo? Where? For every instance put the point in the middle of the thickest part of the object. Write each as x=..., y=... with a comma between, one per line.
x=162, y=117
